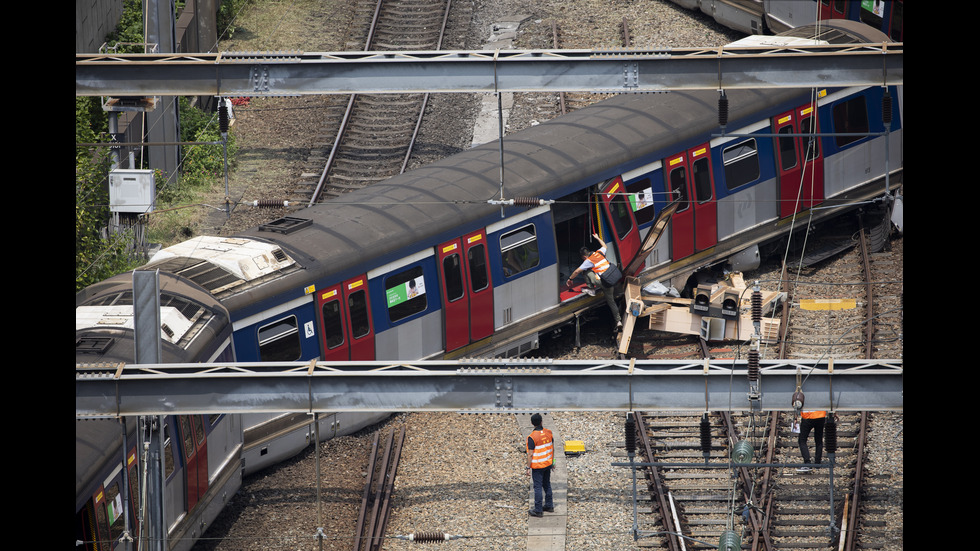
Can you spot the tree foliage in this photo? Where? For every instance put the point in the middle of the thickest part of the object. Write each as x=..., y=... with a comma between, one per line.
x=96, y=258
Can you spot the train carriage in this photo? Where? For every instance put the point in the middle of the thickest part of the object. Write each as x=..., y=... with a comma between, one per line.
x=431, y=264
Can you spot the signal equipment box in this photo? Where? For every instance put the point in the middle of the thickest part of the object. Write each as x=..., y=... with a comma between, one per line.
x=132, y=191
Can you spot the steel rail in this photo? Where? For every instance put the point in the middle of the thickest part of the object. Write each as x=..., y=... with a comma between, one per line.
x=655, y=485
x=349, y=111
x=372, y=520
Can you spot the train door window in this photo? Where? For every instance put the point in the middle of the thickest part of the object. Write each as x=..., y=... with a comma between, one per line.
x=199, y=430
x=701, y=171
x=279, y=341
x=168, y=452
x=188, y=436
x=621, y=219
x=479, y=276
x=333, y=324
x=453, y=271
x=741, y=163
x=101, y=528
x=678, y=186
x=405, y=293
x=357, y=306
x=850, y=117
x=897, y=24
x=134, y=490
x=812, y=143
x=519, y=250
x=787, y=148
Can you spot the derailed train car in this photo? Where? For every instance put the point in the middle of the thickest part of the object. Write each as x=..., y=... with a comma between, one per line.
x=426, y=266
x=778, y=16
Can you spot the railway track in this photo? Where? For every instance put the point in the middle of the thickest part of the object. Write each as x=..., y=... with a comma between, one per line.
x=850, y=307
x=372, y=519
x=370, y=137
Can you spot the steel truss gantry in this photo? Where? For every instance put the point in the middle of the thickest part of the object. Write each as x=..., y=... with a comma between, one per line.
x=231, y=74
x=485, y=386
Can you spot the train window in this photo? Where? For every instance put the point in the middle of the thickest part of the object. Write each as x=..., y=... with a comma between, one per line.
x=641, y=198
x=871, y=14
x=787, y=148
x=479, y=277
x=357, y=306
x=453, y=272
x=678, y=186
x=702, y=179
x=168, y=452
x=519, y=250
x=114, y=510
x=850, y=117
x=405, y=292
x=741, y=163
x=621, y=215
x=333, y=324
x=279, y=341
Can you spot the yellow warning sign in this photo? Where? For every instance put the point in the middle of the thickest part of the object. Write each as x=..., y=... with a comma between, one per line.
x=827, y=303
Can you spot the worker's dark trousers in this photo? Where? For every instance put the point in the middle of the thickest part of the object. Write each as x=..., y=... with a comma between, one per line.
x=542, y=485
x=816, y=425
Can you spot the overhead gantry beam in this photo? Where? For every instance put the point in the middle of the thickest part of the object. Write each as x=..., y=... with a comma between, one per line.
x=495, y=386
x=284, y=74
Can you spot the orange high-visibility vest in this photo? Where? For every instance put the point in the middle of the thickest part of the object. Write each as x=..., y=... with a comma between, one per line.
x=599, y=263
x=544, y=449
x=813, y=414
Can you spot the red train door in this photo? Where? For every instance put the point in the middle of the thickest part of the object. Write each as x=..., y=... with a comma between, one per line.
x=478, y=285
x=346, y=332
x=467, y=295
x=799, y=160
x=833, y=9
x=196, y=456
x=620, y=215
x=694, y=226
x=455, y=305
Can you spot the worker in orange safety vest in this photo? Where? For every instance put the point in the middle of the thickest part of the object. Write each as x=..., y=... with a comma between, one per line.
x=594, y=264
x=811, y=421
x=540, y=460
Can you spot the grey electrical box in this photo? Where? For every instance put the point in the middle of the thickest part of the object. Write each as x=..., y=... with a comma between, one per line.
x=712, y=329
x=132, y=191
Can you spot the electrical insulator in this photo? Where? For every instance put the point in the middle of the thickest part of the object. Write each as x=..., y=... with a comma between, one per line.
x=886, y=107
x=705, y=436
x=723, y=109
x=630, y=434
x=753, y=365
x=798, y=400
x=756, y=306
x=742, y=452
x=223, y=116
x=269, y=203
x=830, y=434
x=428, y=537
x=526, y=201
x=729, y=541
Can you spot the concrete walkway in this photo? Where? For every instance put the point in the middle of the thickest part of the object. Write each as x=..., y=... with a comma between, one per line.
x=547, y=533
